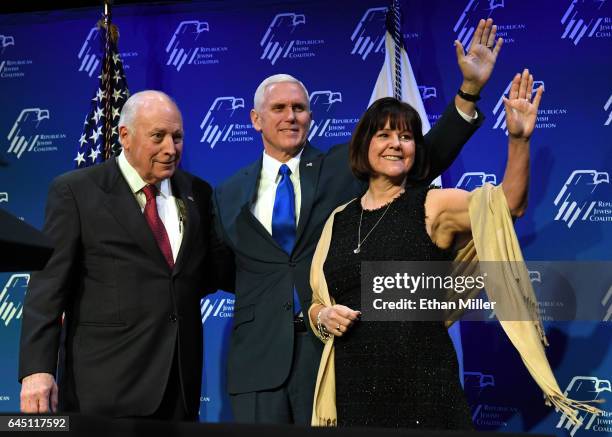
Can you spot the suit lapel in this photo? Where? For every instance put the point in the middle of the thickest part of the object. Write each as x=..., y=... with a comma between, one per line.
x=189, y=217
x=310, y=164
x=250, y=183
x=122, y=204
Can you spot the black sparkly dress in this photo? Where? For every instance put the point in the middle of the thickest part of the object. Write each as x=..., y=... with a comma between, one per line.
x=391, y=374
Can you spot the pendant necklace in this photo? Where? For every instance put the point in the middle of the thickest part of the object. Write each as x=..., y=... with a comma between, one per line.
x=359, y=240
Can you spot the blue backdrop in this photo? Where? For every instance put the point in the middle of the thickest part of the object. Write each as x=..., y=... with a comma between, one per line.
x=211, y=55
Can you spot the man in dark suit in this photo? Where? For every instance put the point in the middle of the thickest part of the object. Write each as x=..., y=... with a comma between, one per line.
x=271, y=215
x=131, y=259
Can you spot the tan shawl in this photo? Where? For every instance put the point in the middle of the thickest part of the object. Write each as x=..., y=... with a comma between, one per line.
x=494, y=239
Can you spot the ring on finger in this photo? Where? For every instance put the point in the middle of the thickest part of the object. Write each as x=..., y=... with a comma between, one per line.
x=338, y=327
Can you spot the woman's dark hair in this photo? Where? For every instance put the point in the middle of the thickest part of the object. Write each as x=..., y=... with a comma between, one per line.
x=400, y=115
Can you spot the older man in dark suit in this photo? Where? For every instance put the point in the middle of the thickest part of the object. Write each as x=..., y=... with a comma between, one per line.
x=130, y=263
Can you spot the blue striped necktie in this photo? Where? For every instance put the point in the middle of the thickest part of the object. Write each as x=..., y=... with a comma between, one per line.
x=283, y=220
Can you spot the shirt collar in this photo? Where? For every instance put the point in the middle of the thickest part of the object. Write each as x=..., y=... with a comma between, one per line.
x=135, y=181
x=270, y=166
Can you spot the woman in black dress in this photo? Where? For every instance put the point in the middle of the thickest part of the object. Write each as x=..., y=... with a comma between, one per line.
x=403, y=374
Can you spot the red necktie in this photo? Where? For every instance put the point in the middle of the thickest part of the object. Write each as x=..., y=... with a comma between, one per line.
x=156, y=225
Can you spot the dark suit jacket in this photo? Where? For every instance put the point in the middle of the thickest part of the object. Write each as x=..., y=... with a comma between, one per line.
x=126, y=312
x=261, y=348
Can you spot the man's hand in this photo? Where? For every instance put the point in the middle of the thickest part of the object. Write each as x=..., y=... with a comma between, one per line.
x=477, y=64
x=39, y=393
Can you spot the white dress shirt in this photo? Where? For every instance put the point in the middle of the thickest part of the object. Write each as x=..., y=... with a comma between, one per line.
x=469, y=118
x=269, y=178
x=166, y=202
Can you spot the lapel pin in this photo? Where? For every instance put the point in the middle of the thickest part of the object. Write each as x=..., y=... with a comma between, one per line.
x=190, y=198
x=309, y=164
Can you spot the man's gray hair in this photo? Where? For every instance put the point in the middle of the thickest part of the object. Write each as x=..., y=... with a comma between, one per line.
x=131, y=106
x=271, y=80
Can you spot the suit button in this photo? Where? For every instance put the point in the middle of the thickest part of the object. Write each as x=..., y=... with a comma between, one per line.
x=287, y=306
x=173, y=318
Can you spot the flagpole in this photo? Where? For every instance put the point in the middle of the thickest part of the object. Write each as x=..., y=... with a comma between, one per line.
x=106, y=77
x=396, y=24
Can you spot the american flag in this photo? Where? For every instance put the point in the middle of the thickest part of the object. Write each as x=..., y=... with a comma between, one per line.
x=100, y=137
